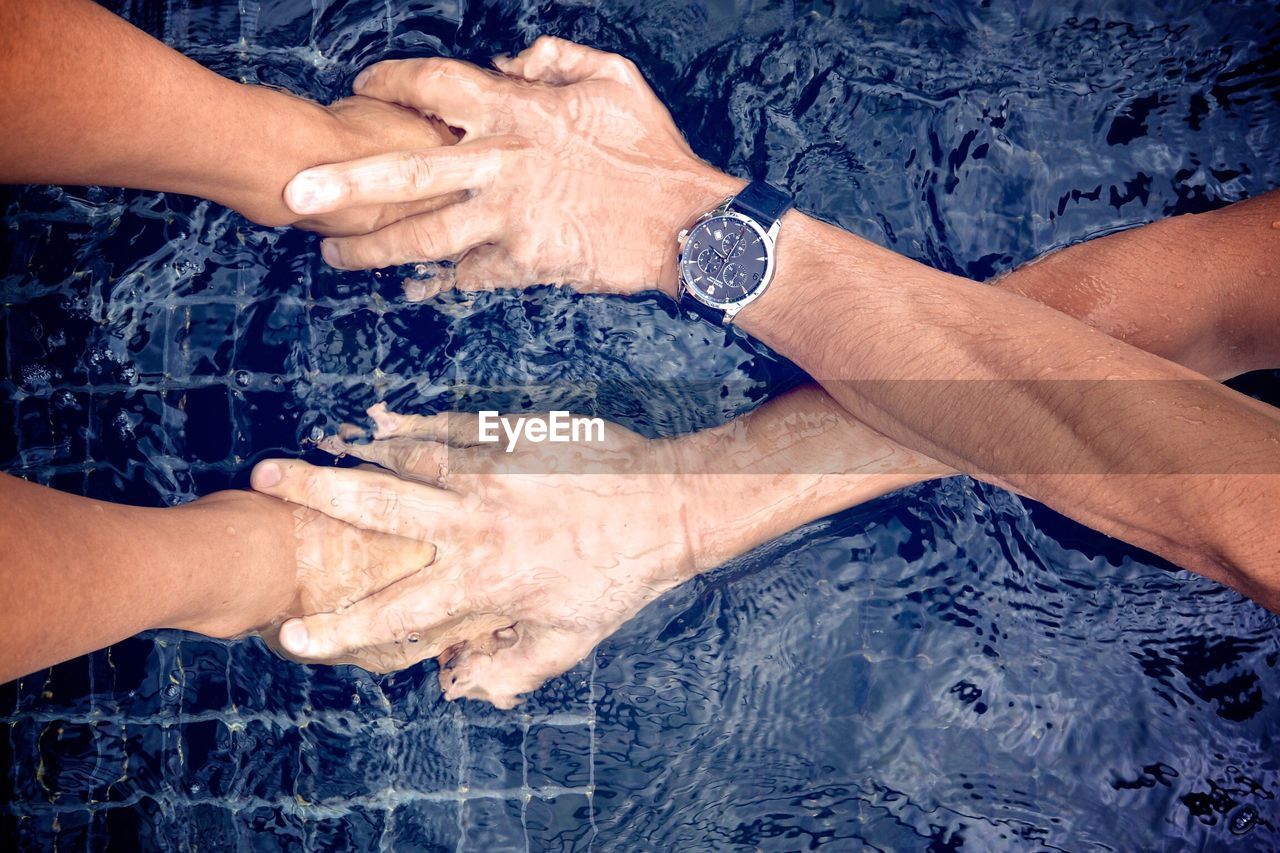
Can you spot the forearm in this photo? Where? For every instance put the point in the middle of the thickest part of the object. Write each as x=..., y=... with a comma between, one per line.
x=1016, y=393
x=82, y=574
x=89, y=99
x=1202, y=290
x=798, y=458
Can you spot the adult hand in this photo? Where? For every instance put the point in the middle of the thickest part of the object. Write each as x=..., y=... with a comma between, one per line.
x=574, y=171
x=542, y=553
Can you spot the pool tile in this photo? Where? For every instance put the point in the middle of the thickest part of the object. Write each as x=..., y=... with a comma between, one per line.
x=203, y=339
x=560, y=824
x=493, y=824
x=426, y=826
x=494, y=756
x=263, y=683
x=342, y=761
x=426, y=753
x=357, y=829
x=207, y=431
x=271, y=332
x=267, y=828
x=559, y=756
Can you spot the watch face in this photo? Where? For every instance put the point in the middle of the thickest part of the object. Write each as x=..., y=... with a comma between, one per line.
x=724, y=259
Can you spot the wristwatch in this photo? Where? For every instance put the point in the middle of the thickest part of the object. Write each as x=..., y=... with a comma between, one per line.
x=727, y=257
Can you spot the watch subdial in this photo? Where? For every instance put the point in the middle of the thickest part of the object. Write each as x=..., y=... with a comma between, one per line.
x=709, y=262
x=734, y=275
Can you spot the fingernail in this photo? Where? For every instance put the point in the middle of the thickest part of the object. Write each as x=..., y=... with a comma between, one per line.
x=267, y=475
x=500, y=61
x=361, y=79
x=311, y=193
x=331, y=252
x=293, y=636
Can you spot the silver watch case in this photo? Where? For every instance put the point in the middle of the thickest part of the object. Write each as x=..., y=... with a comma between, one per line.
x=769, y=239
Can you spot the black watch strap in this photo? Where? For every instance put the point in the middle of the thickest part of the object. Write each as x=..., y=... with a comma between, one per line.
x=763, y=202
x=692, y=304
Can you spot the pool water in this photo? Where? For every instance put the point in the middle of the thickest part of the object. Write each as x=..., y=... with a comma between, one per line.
x=948, y=667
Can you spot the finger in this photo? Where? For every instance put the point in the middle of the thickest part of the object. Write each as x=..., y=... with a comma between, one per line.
x=379, y=659
x=392, y=616
x=428, y=618
x=401, y=177
x=385, y=560
x=431, y=236
x=456, y=429
x=426, y=461
x=463, y=95
x=487, y=268
x=560, y=62
x=371, y=217
x=521, y=667
x=370, y=500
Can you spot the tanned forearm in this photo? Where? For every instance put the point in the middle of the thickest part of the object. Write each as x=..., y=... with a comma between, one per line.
x=81, y=574
x=86, y=98
x=1201, y=290
x=1014, y=392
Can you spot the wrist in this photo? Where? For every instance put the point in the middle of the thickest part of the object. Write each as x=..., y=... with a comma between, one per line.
x=709, y=498
x=689, y=192
x=292, y=134
x=240, y=572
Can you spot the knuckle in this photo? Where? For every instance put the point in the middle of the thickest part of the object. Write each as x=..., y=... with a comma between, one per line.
x=428, y=71
x=416, y=171
x=544, y=43
x=425, y=237
x=312, y=488
x=523, y=252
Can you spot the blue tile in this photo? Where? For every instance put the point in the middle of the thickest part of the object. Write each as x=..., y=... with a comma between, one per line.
x=269, y=830
x=341, y=761
x=146, y=340
x=494, y=758
x=208, y=431
x=426, y=753
x=204, y=338
x=272, y=333
x=559, y=756
x=264, y=683
x=346, y=342
x=357, y=829
x=493, y=824
x=562, y=824
x=425, y=827
x=211, y=757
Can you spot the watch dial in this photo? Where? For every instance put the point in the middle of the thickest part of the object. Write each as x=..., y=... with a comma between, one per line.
x=723, y=259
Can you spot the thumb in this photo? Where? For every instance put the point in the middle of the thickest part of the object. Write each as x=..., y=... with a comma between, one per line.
x=560, y=62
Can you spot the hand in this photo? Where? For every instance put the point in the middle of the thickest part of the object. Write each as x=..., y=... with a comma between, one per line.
x=542, y=553
x=350, y=128
x=292, y=561
x=574, y=170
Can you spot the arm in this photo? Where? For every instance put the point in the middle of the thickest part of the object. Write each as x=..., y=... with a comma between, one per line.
x=981, y=378
x=86, y=98
x=1023, y=396
x=81, y=574
x=520, y=594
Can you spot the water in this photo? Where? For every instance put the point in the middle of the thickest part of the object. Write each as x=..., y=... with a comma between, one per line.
x=947, y=667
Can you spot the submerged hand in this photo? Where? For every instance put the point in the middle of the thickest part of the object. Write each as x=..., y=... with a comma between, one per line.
x=294, y=561
x=575, y=174
x=542, y=553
